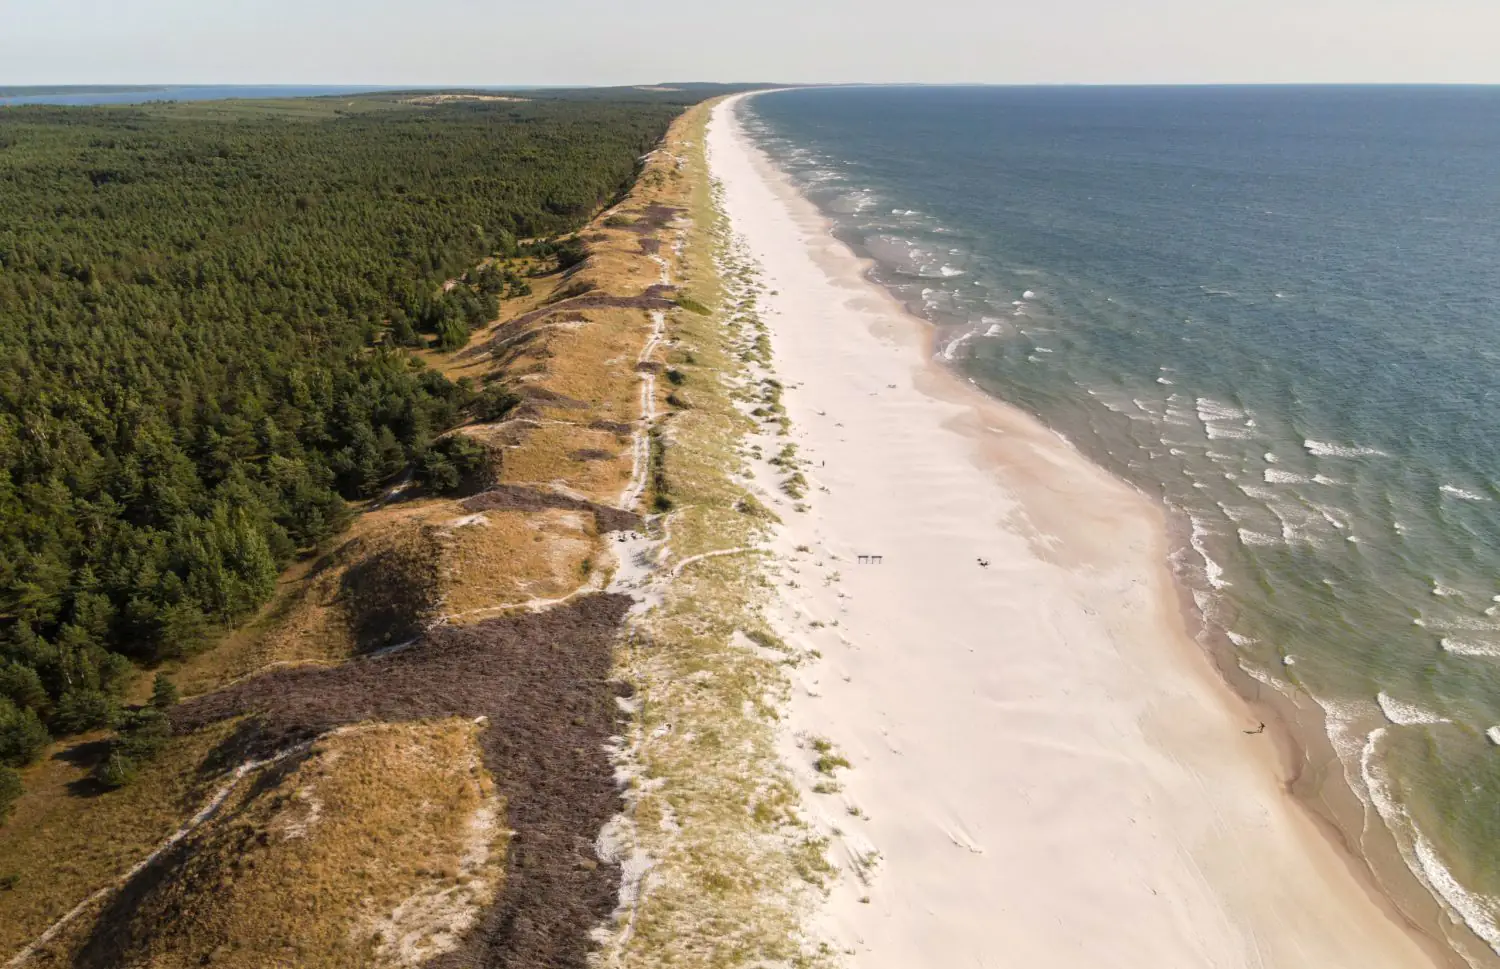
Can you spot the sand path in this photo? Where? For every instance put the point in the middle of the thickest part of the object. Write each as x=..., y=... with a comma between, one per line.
x=1045, y=766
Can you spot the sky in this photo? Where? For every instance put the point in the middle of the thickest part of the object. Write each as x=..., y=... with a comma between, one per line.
x=597, y=42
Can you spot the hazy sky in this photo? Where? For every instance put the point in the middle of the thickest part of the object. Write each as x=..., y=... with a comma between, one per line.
x=493, y=42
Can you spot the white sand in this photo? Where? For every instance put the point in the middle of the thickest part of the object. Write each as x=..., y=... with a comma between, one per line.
x=1054, y=775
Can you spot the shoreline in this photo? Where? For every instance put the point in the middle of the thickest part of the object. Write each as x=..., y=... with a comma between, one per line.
x=1276, y=766
x=1301, y=726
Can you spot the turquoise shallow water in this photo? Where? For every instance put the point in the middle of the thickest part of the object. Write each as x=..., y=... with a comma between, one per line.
x=1277, y=309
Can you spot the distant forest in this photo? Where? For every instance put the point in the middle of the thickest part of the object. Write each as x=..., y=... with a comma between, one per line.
x=201, y=314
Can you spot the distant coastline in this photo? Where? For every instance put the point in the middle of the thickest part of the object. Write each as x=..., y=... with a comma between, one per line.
x=86, y=95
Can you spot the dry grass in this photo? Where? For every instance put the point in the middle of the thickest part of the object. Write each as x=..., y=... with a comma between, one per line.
x=67, y=839
x=595, y=362
x=504, y=558
x=379, y=847
x=548, y=458
x=616, y=264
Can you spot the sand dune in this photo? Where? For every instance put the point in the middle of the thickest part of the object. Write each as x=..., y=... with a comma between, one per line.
x=1046, y=770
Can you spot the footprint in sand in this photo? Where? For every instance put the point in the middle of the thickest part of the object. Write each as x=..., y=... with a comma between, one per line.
x=961, y=838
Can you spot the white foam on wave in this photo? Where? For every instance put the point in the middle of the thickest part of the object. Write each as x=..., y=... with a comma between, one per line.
x=1405, y=714
x=1247, y=537
x=1164, y=380
x=1419, y=854
x=1458, y=492
x=1219, y=431
x=1028, y=295
x=1323, y=449
x=994, y=330
x=1457, y=623
x=1210, y=410
x=1323, y=479
x=1234, y=514
x=1266, y=679
x=949, y=271
x=1341, y=719
x=1240, y=640
x=1462, y=647
x=1211, y=569
x=951, y=350
x=1494, y=734
x=1331, y=515
x=1474, y=909
x=1276, y=476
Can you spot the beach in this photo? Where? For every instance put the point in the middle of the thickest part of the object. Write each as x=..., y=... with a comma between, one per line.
x=1045, y=768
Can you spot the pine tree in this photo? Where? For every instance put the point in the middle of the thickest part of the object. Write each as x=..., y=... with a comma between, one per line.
x=163, y=692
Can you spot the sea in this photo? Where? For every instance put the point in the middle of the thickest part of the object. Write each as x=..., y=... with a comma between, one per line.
x=1277, y=310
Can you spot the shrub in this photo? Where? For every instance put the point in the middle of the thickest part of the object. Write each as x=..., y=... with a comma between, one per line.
x=22, y=736
x=692, y=305
x=142, y=735
x=570, y=252
x=452, y=334
x=164, y=693
x=494, y=402
x=82, y=710
x=452, y=463
x=116, y=770
x=828, y=763
x=22, y=686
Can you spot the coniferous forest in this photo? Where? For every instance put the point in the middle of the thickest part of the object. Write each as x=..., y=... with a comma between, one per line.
x=203, y=312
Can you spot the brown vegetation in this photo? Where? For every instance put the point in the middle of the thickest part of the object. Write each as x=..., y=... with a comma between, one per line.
x=543, y=682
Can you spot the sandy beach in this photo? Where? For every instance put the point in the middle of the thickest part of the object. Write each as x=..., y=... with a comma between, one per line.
x=1046, y=770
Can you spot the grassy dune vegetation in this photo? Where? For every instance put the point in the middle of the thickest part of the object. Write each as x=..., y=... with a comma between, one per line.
x=728, y=866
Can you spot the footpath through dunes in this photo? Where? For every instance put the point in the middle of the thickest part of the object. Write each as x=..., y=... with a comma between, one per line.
x=406, y=758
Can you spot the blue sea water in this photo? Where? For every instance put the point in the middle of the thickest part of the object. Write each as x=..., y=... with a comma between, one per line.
x=1277, y=309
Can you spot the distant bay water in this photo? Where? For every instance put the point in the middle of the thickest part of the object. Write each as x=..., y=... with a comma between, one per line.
x=1278, y=310
x=140, y=94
